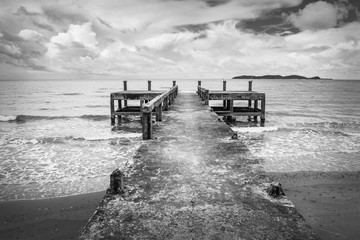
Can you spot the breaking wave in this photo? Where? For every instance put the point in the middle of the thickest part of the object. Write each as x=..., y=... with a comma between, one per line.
x=27, y=118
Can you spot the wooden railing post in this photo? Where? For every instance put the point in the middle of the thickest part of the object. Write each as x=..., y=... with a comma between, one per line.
x=112, y=110
x=149, y=85
x=125, y=89
x=206, y=97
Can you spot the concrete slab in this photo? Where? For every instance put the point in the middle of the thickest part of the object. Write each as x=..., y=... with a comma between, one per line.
x=192, y=181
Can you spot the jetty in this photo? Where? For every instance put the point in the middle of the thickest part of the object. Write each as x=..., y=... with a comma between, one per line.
x=149, y=101
x=229, y=108
x=193, y=180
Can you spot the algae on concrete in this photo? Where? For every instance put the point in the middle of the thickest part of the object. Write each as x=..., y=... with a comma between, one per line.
x=192, y=181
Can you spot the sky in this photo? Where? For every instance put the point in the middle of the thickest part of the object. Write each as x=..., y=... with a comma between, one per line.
x=162, y=39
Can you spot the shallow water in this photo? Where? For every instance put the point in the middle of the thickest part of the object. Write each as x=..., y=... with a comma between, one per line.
x=56, y=137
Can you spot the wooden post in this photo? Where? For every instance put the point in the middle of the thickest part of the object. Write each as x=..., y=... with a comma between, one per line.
x=224, y=89
x=255, y=108
x=147, y=125
x=158, y=110
x=249, y=102
x=206, y=97
x=199, y=83
x=119, y=109
x=231, y=109
x=116, y=182
x=262, y=118
x=227, y=104
x=125, y=89
x=174, y=83
x=250, y=86
x=198, y=88
x=112, y=110
x=141, y=108
x=149, y=85
x=166, y=104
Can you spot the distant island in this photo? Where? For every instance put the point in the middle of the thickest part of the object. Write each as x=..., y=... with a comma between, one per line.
x=274, y=77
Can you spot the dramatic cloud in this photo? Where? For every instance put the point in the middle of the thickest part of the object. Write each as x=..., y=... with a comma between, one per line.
x=187, y=38
x=319, y=15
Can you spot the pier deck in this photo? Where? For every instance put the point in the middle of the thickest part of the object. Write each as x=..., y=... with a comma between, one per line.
x=192, y=181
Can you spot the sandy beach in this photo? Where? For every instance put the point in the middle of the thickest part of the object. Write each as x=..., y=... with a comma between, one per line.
x=56, y=218
x=329, y=201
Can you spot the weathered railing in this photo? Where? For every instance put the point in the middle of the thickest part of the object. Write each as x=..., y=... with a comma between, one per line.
x=158, y=103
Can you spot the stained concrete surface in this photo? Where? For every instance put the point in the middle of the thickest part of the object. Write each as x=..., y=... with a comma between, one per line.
x=192, y=181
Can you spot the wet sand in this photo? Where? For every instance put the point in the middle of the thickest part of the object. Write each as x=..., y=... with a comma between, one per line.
x=57, y=218
x=330, y=202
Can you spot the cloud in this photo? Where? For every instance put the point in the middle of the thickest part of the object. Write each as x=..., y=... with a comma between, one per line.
x=29, y=34
x=319, y=15
x=78, y=36
x=186, y=38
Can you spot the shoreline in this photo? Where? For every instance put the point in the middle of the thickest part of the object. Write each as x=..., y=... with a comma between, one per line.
x=329, y=201
x=54, y=218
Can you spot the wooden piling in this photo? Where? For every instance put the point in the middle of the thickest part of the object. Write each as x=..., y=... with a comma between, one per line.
x=149, y=85
x=249, y=102
x=224, y=89
x=262, y=118
x=119, y=109
x=112, y=110
x=158, y=110
x=255, y=108
x=166, y=104
x=146, y=125
x=174, y=83
x=116, y=182
x=125, y=89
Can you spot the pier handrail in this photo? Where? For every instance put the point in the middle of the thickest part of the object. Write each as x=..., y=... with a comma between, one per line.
x=148, y=107
x=156, y=103
x=204, y=94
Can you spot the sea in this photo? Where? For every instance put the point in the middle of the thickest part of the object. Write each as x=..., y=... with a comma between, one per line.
x=56, y=138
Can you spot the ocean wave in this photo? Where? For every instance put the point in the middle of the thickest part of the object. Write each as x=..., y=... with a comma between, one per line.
x=70, y=94
x=8, y=118
x=62, y=140
x=27, y=118
x=95, y=117
x=97, y=106
x=254, y=129
x=329, y=125
x=308, y=130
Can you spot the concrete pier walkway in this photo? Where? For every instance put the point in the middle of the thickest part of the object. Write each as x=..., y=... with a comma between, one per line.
x=192, y=181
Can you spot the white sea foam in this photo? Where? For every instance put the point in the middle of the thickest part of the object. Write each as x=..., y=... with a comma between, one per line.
x=254, y=129
x=5, y=118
